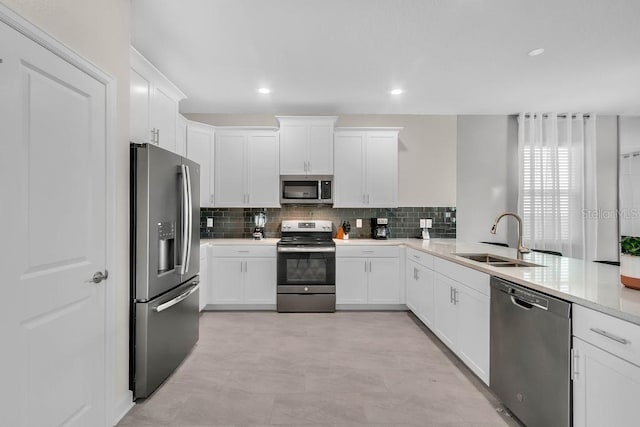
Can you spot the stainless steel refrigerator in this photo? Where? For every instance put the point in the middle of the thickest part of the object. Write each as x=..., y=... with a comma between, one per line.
x=165, y=263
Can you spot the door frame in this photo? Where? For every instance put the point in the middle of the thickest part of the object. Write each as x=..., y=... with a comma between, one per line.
x=113, y=410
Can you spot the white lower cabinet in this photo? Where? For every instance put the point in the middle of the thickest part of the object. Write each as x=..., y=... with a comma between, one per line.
x=606, y=374
x=372, y=280
x=242, y=278
x=420, y=291
x=453, y=301
x=204, y=276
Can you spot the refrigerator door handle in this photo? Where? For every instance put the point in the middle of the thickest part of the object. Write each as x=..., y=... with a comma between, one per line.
x=176, y=300
x=185, y=220
x=189, y=217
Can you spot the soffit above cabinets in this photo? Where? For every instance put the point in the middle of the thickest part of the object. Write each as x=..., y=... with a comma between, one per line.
x=449, y=57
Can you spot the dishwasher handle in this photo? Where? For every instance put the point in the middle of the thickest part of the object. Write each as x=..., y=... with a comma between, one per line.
x=527, y=300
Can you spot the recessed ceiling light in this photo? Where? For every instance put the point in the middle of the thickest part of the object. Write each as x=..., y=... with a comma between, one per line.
x=396, y=92
x=536, y=52
x=264, y=90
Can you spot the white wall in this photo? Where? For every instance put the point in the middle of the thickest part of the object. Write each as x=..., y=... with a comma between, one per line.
x=99, y=31
x=426, y=157
x=487, y=177
x=607, y=190
x=629, y=134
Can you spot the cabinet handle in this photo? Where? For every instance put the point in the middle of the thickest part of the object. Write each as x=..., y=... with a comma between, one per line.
x=309, y=166
x=246, y=267
x=248, y=198
x=158, y=136
x=417, y=275
x=364, y=199
x=365, y=266
x=451, y=294
x=210, y=198
x=367, y=252
x=610, y=336
x=574, y=361
x=370, y=269
x=455, y=296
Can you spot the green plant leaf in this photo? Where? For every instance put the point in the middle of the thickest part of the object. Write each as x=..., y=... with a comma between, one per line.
x=630, y=245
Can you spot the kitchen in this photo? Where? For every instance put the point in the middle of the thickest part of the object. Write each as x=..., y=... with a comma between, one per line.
x=456, y=164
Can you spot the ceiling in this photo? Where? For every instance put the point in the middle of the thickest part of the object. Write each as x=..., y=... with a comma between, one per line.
x=344, y=56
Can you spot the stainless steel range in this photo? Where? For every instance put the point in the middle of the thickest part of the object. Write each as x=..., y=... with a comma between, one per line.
x=306, y=267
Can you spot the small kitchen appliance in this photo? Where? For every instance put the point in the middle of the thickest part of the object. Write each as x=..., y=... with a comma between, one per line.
x=309, y=189
x=380, y=228
x=306, y=267
x=259, y=220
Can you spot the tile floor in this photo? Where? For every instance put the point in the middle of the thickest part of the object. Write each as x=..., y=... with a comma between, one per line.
x=340, y=369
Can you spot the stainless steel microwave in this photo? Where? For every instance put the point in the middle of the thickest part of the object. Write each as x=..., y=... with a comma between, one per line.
x=309, y=189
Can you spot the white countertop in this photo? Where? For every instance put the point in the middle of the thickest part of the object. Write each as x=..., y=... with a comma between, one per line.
x=589, y=284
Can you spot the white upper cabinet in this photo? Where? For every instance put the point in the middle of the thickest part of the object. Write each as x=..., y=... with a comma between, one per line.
x=246, y=167
x=366, y=167
x=181, y=135
x=200, y=150
x=306, y=145
x=154, y=105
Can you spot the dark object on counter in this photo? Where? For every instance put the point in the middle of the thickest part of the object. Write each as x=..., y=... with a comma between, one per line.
x=544, y=251
x=346, y=227
x=380, y=228
x=504, y=245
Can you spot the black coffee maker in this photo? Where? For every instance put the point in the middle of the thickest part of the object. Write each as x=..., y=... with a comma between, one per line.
x=380, y=228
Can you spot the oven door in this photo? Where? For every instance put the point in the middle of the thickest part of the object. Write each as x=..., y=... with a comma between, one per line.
x=306, y=266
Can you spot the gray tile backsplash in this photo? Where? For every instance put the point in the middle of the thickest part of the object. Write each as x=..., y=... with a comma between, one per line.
x=403, y=222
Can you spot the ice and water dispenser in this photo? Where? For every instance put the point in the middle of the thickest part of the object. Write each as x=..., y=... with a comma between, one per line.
x=166, y=246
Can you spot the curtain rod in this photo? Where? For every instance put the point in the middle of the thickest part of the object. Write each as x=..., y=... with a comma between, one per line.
x=634, y=154
x=562, y=116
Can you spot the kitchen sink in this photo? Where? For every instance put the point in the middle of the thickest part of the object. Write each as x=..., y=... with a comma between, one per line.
x=497, y=261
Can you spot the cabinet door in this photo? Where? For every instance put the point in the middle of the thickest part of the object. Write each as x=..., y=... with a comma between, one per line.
x=293, y=149
x=227, y=280
x=320, y=156
x=446, y=317
x=381, y=176
x=230, y=170
x=349, y=170
x=181, y=136
x=412, y=286
x=426, y=297
x=260, y=281
x=204, y=278
x=164, y=112
x=605, y=388
x=384, y=281
x=200, y=150
x=263, y=171
x=473, y=330
x=139, y=99
x=351, y=280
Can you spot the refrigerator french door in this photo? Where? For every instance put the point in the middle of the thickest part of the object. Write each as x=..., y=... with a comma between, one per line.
x=165, y=263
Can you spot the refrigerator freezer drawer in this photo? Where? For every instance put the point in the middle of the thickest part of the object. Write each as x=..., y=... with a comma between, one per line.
x=167, y=328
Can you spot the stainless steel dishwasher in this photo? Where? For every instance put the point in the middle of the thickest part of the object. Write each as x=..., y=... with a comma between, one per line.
x=530, y=354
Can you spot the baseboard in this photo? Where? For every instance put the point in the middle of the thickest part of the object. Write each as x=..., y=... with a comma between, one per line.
x=239, y=307
x=122, y=407
x=372, y=307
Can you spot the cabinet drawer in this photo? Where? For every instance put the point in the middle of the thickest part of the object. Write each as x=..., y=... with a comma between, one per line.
x=465, y=275
x=243, y=251
x=368, y=251
x=611, y=334
x=421, y=258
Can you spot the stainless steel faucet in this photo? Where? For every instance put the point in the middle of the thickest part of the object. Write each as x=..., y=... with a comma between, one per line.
x=521, y=249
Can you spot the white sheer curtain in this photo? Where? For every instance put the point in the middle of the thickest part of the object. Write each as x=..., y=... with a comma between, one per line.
x=557, y=195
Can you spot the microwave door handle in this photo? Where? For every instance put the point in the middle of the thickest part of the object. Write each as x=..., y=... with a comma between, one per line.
x=189, y=218
x=183, y=219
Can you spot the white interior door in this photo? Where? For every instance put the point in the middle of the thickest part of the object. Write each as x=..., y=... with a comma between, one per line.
x=53, y=192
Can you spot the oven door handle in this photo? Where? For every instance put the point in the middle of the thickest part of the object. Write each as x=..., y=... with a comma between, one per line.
x=305, y=250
